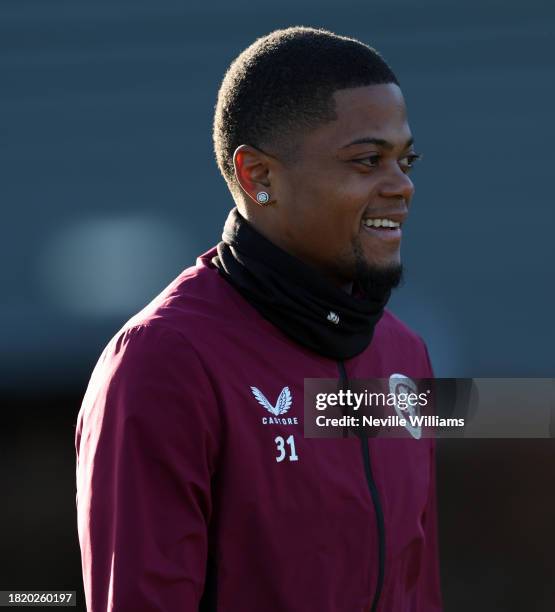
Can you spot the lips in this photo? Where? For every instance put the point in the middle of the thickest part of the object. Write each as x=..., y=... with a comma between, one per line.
x=398, y=216
x=385, y=225
x=384, y=233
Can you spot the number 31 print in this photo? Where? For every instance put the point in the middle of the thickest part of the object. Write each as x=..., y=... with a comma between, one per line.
x=280, y=442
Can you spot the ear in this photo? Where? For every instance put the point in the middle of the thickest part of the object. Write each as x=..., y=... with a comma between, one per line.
x=252, y=171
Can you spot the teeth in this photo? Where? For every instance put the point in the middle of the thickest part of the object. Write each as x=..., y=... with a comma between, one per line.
x=380, y=223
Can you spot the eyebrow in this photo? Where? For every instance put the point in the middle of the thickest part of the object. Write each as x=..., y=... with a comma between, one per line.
x=377, y=141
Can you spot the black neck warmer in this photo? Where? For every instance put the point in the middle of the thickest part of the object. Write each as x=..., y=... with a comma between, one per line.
x=296, y=297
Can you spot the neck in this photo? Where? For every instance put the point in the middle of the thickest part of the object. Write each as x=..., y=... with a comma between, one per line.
x=296, y=297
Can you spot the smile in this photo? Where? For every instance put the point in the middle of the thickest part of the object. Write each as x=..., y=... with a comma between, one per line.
x=383, y=228
x=385, y=223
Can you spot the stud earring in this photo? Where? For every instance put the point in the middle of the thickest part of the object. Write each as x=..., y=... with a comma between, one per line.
x=262, y=197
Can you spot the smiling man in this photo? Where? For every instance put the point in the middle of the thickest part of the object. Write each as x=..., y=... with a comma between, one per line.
x=196, y=488
x=347, y=180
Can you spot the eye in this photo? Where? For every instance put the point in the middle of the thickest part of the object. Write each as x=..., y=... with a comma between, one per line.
x=407, y=162
x=373, y=159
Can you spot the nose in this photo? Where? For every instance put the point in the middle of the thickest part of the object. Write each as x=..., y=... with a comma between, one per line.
x=397, y=185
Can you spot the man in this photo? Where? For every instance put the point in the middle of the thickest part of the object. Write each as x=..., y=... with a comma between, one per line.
x=190, y=495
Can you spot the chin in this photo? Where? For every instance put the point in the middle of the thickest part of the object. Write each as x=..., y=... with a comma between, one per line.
x=383, y=273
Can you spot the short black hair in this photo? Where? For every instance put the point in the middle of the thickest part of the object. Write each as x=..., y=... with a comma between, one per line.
x=282, y=85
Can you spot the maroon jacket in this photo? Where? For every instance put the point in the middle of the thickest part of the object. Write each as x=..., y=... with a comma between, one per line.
x=189, y=499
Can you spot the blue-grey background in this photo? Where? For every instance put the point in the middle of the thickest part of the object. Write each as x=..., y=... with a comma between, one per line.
x=109, y=189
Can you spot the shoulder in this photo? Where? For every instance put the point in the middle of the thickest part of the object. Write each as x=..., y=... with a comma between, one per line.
x=144, y=344
x=148, y=359
x=191, y=307
x=191, y=296
x=391, y=324
x=405, y=345
x=160, y=344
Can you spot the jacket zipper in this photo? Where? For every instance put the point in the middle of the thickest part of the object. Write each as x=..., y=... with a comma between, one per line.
x=375, y=500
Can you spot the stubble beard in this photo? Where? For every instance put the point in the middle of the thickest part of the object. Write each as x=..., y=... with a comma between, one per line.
x=375, y=280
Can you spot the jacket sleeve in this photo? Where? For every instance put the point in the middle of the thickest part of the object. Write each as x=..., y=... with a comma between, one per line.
x=146, y=444
x=430, y=598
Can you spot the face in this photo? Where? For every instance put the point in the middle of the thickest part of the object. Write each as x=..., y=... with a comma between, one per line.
x=342, y=204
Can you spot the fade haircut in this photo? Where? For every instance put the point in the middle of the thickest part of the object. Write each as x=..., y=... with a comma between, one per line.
x=282, y=86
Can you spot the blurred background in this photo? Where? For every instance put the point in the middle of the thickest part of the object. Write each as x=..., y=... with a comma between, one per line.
x=109, y=189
